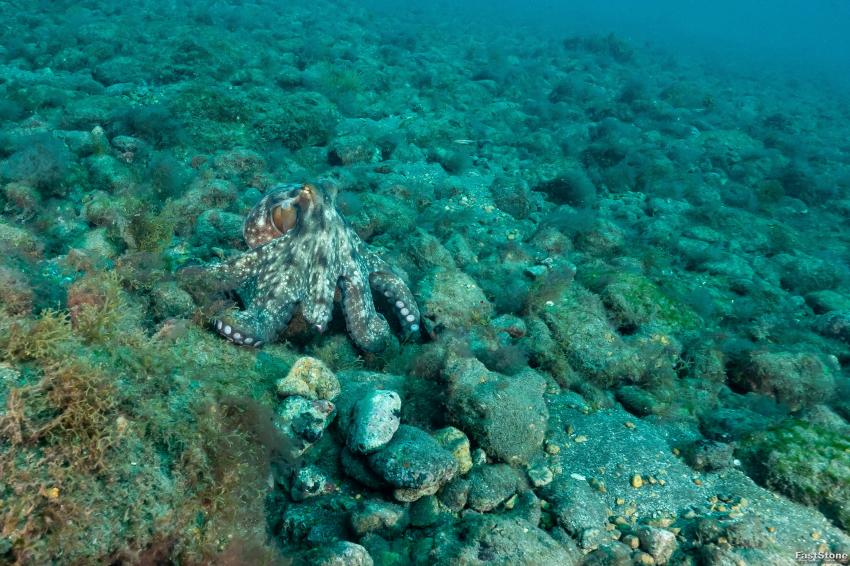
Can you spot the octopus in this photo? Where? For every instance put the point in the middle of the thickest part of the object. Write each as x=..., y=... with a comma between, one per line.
x=304, y=254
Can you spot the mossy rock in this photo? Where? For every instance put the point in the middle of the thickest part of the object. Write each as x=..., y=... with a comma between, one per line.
x=808, y=463
x=633, y=300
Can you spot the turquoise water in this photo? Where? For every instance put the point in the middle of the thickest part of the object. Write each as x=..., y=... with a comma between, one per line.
x=317, y=283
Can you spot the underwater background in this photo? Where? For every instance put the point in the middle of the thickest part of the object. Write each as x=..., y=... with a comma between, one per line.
x=569, y=284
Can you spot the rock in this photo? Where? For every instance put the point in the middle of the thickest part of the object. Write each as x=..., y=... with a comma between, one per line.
x=310, y=481
x=109, y=174
x=216, y=227
x=16, y=293
x=351, y=149
x=481, y=540
x=490, y=486
x=21, y=198
x=659, y=543
x=805, y=462
x=505, y=415
x=709, y=455
x=727, y=424
x=357, y=384
x=583, y=335
x=540, y=475
x=168, y=300
x=638, y=401
x=456, y=442
x=381, y=517
x=451, y=300
x=512, y=196
x=633, y=300
x=374, y=420
x=835, y=324
x=601, y=238
x=313, y=522
x=303, y=421
x=15, y=240
x=575, y=504
x=413, y=463
x=310, y=378
x=525, y=505
x=341, y=553
x=358, y=469
x=297, y=120
x=592, y=537
x=455, y=494
x=240, y=163
x=827, y=301
x=425, y=511
x=795, y=379
x=609, y=554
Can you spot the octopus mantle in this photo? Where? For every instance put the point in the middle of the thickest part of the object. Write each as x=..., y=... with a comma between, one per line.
x=302, y=251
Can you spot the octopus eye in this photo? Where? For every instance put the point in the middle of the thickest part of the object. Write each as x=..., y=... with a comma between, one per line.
x=284, y=217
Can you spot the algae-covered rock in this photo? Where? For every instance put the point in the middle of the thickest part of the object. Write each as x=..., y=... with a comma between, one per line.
x=374, y=420
x=219, y=227
x=456, y=442
x=835, y=324
x=451, y=300
x=506, y=415
x=425, y=511
x=381, y=517
x=413, y=463
x=491, y=485
x=169, y=300
x=303, y=421
x=581, y=330
x=310, y=481
x=709, y=455
x=352, y=149
x=297, y=120
x=634, y=300
x=357, y=468
x=15, y=240
x=806, y=462
x=638, y=401
x=110, y=174
x=576, y=506
x=455, y=494
x=16, y=292
x=493, y=539
x=340, y=553
x=795, y=379
x=309, y=377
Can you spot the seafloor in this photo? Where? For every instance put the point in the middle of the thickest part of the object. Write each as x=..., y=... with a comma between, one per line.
x=631, y=269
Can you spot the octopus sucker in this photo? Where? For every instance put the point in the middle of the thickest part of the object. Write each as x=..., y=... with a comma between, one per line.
x=304, y=255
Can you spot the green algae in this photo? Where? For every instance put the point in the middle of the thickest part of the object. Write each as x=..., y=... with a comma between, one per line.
x=806, y=462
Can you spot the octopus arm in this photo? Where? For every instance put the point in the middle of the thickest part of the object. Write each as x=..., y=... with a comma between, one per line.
x=368, y=329
x=231, y=274
x=400, y=297
x=236, y=271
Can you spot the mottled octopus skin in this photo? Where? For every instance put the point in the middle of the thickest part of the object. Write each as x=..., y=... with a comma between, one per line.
x=301, y=251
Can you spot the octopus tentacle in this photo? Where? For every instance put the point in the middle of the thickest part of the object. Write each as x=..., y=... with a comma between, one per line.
x=368, y=329
x=252, y=327
x=230, y=274
x=235, y=271
x=393, y=288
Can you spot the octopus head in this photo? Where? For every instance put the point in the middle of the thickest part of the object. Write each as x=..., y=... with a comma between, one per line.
x=285, y=208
